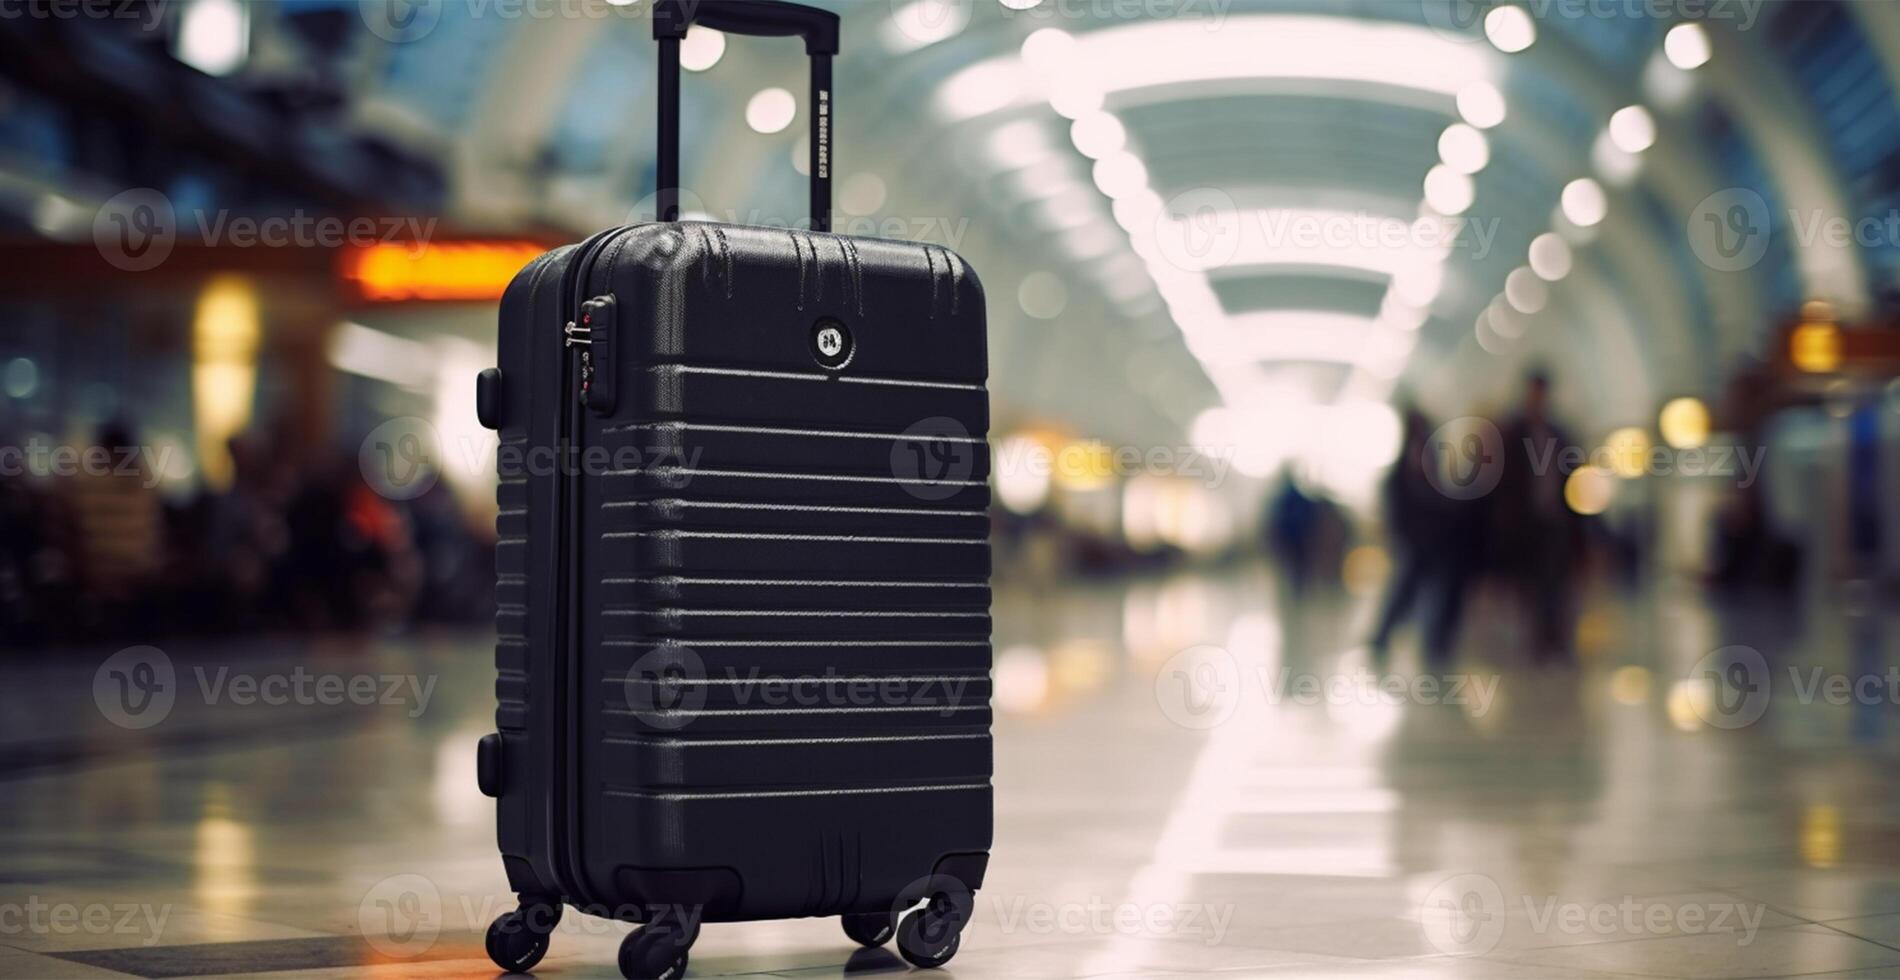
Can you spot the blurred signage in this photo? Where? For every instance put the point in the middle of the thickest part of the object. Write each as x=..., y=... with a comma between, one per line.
x=1820, y=347
x=438, y=272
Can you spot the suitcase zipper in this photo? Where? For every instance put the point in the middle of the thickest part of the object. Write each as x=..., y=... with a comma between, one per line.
x=564, y=822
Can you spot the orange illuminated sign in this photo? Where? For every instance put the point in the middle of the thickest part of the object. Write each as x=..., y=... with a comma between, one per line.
x=1815, y=347
x=465, y=272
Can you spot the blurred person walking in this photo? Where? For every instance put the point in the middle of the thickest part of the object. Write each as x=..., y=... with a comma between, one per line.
x=1537, y=535
x=1292, y=533
x=1435, y=538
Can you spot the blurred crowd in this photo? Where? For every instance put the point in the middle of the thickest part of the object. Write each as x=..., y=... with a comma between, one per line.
x=294, y=544
x=1502, y=525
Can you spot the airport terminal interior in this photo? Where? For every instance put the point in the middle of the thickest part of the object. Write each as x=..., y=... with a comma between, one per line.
x=1444, y=468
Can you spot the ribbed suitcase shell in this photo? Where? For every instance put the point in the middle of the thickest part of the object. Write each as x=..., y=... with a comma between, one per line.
x=746, y=522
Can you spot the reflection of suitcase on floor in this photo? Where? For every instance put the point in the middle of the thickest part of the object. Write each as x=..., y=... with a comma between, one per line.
x=744, y=571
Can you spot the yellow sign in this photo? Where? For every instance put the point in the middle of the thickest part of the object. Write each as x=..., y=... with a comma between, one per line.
x=1815, y=347
x=464, y=272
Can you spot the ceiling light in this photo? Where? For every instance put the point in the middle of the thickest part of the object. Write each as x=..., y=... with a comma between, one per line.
x=1584, y=203
x=1504, y=319
x=702, y=48
x=771, y=110
x=214, y=36
x=1074, y=96
x=1463, y=148
x=1481, y=104
x=1510, y=29
x=1447, y=191
x=1047, y=50
x=1525, y=291
x=1121, y=174
x=1684, y=423
x=1551, y=257
x=1633, y=129
x=1098, y=134
x=1184, y=55
x=1687, y=46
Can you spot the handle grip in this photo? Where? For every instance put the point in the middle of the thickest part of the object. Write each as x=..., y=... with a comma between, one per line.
x=758, y=18
x=762, y=18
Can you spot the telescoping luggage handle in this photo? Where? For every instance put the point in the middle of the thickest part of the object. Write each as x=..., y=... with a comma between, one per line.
x=762, y=18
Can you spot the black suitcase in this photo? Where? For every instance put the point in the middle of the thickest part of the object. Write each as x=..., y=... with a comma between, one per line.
x=743, y=570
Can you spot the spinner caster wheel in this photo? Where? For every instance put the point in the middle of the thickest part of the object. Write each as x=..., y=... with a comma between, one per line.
x=870, y=928
x=517, y=940
x=928, y=937
x=650, y=953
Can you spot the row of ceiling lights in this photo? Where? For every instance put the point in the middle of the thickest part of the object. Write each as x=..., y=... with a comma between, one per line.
x=1582, y=204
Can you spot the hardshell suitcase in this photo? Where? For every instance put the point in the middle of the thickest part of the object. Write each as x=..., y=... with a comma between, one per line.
x=743, y=570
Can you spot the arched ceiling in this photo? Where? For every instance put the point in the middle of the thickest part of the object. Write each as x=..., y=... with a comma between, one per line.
x=1247, y=112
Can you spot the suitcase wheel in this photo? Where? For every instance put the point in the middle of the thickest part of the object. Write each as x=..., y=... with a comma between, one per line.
x=654, y=952
x=870, y=928
x=517, y=940
x=927, y=937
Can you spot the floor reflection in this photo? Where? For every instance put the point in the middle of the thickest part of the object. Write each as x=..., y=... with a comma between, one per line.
x=1194, y=774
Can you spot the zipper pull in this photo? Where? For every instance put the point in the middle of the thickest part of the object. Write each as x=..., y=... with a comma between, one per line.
x=577, y=334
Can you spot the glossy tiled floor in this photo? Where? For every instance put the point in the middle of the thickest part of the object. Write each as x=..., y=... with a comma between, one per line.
x=1164, y=807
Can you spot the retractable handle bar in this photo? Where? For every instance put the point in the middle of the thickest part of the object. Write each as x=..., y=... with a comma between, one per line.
x=760, y=18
